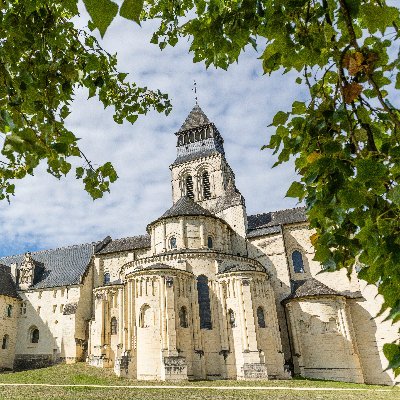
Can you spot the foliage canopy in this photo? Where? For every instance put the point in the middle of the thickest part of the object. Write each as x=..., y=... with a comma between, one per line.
x=345, y=138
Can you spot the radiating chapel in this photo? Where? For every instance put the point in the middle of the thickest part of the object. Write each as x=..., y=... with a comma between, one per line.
x=208, y=292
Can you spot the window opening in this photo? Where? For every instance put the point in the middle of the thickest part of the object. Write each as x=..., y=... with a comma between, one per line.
x=106, y=278
x=231, y=316
x=183, y=320
x=261, y=317
x=204, y=302
x=189, y=187
x=4, y=345
x=298, y=264
x=34, y=335
x=114, y=326
x=210, y=242
x=206, y=186
x=172, y=242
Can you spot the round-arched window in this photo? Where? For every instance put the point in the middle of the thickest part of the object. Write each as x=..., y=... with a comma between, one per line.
x=4, y=345
x=203, y=293
x=145, y=316
x=210, y=242
x=106, y=278
x=34, y=335
x=189, y=187
x=183, y=319
x=298, y=263
x=172, y=242
x=261, y=317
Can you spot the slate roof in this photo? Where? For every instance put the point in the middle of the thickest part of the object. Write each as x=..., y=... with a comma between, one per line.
x=186, y=157
x=259, y=223
x=310, y=288
x=125, y=244
x=195, y=118
x=239, y=268
x=186, y=206
x=63, y=266
x=7, y=285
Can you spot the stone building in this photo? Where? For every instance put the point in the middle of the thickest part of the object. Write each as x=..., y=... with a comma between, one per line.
x=208, y=293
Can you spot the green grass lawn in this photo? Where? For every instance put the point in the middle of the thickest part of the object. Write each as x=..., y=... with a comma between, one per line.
x=82, y=374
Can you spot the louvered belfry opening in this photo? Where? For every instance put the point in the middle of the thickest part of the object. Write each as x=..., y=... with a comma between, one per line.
x=189, y=187
x=206, y=186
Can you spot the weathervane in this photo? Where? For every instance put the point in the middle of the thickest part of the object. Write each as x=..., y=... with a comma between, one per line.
x=195, y=91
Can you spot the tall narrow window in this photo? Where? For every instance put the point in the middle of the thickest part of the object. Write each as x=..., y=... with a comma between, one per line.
x=210, y=242
x=9, y=310
x=261, y=317
x=106, y=278
x=204, y=302
x=298, y=264
x=23, y=308
x=183, y=320
x=114, y=326
x=206, y=186
x=145, y=316
x=4, y=345
x=189, y=187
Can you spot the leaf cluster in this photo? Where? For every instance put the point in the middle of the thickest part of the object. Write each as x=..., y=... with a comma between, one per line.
x=43, y=60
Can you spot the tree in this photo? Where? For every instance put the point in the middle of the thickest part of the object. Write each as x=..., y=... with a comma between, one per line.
x=346, y=137
x=43, y=60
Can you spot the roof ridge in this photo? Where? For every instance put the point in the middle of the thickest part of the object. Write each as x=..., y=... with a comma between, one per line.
x=268, y=212
x=48, y=250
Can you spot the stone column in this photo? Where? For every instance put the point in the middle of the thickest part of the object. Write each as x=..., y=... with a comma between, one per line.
x=120, y=316
x=164, y=237
x=182, y=234
x=202, y=235
x=153, y=240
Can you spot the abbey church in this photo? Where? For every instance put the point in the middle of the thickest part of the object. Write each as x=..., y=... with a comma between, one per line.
x=208, y=292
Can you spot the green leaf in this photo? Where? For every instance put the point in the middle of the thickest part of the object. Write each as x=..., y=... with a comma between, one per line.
x=280, y=118
x=102, y=13
x=296, y=190
x=394, y=195
x=131, y=9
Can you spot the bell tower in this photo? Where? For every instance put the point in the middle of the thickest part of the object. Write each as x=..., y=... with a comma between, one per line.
x=201, y=172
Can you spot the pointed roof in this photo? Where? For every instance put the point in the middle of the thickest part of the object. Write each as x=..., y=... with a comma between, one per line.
x=310, y=288
x=186, y=206
x=195, y=119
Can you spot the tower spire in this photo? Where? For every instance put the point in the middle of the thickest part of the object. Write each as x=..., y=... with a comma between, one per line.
x=195, y=92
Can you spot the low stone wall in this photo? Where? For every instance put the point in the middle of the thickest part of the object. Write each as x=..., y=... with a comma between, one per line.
x=33, y=361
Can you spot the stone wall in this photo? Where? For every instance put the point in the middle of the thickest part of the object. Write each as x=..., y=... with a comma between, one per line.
x=8, y=329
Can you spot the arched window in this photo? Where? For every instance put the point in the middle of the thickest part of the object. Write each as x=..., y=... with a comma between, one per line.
x=261, y=317
x=189, y=187
x=114, y=326
x=210, y=242
x=106, y=278
x=231, y=318
x=204, y=302
x=4, y=345
x=9, y=310
x=34, y=335
x=172, y=242
x=206, y=186
x=183, y=320
x=145, y=316
x=298, y=264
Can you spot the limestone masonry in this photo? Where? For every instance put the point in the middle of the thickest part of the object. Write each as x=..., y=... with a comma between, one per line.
x=207, y=293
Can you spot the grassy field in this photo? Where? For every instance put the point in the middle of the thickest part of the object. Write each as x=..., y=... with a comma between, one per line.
x=81, y=374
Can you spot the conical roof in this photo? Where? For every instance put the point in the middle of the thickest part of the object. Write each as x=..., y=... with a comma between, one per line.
x=195, y=119
x=310, y=288
x=186, y=206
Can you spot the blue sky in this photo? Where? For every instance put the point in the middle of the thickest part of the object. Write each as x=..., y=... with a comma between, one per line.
x=48, y=213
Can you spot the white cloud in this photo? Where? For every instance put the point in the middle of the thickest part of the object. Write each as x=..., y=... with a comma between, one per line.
x=241, y=102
